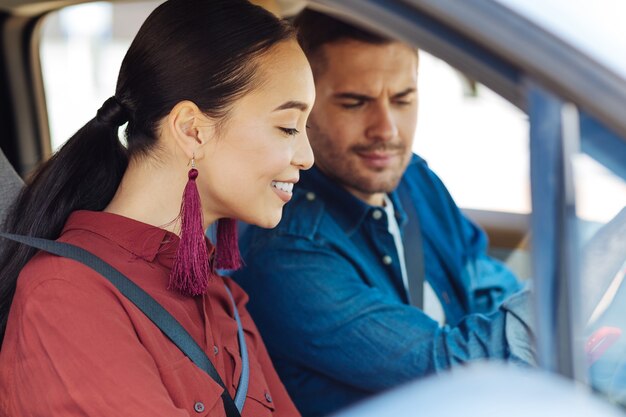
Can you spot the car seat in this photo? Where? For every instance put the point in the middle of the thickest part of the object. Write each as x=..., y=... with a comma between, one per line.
x=10, y=186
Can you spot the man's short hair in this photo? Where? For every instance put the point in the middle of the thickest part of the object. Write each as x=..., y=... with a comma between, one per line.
x=317, y=29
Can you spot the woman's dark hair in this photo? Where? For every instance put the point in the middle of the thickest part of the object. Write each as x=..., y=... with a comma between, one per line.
x=198, y=50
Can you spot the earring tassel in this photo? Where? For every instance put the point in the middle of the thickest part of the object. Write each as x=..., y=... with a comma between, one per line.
x=227, y=248
x=191, y=271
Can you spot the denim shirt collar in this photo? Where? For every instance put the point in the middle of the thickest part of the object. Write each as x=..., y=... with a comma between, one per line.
x=346, y=209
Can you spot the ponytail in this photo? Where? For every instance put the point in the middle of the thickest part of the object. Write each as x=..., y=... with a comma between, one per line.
x=83, y=175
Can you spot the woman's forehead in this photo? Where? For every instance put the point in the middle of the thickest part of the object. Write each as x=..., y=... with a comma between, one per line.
x=283, y=75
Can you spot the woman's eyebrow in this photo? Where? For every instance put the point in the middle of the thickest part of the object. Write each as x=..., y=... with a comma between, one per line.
x=292, y=105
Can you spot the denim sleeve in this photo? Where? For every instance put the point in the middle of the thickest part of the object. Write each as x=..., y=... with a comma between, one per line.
x=488, y=282
x=315, y=311
x=518, y=329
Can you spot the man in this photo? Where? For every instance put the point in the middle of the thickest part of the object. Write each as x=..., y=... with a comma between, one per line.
x=329, y=287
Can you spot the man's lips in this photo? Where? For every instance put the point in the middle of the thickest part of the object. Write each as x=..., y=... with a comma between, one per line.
x=378, y=158
x=376, y=154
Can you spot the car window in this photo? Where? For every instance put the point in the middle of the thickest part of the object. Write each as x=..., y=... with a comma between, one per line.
x=82, y=48
x=475, y=140
x=600, y=298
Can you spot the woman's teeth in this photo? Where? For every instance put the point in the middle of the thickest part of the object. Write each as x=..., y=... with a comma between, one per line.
x=284, y=186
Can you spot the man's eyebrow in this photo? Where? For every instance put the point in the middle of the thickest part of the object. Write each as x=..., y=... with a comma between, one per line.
x=365, y=97
x=292, y=105
x=405, y=93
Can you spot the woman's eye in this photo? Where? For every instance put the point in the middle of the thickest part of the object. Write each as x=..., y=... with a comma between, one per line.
x=289, y=131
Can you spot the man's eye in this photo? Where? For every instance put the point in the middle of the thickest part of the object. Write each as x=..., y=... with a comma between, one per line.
x=289, y=131
x=403, y=102
x=352, y=104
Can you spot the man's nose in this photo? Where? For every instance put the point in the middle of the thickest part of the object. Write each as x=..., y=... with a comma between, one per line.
x=381, y=124
x=303, y=157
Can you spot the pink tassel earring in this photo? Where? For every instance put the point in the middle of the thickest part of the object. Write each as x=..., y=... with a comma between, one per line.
x=227, y=248
x=191, y=272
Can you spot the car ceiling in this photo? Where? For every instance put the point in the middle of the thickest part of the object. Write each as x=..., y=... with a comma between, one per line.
x=29, y=8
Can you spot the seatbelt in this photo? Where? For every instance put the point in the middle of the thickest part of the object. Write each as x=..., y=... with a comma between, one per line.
x=156, y=313
x=244, y=379
x=413, y=250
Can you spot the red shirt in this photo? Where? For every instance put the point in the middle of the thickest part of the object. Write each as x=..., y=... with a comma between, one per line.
x=75, y=346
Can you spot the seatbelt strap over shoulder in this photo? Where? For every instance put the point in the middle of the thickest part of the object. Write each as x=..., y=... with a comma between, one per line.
x=155, y=312
x=413, y=250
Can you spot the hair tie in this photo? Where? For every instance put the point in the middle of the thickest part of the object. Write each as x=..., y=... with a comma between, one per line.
x=112, y=113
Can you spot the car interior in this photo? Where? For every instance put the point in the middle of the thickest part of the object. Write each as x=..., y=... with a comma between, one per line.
x=31, y=102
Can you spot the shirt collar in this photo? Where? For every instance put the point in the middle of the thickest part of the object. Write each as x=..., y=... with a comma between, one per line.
x=401, y=216
x=346, y=209
x=140, y=239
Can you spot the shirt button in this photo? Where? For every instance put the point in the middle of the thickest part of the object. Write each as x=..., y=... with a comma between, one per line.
x=199, y=407
x=216, y=350
x=377, y=214
x=268, y=397
x=310, y=196
x=387, y=260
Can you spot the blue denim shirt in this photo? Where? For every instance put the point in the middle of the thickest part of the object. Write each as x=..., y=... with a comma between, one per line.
x=335, y=317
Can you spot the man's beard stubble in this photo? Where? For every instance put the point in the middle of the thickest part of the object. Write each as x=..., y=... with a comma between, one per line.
x=347, y=170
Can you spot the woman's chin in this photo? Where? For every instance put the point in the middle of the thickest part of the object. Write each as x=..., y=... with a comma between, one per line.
x=269, y=222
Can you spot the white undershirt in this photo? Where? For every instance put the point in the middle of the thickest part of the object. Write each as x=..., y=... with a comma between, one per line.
x=432, y=305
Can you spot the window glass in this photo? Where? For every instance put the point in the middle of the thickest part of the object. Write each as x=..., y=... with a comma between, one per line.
x=600, y=197
x=82, y=48
x=475, y=140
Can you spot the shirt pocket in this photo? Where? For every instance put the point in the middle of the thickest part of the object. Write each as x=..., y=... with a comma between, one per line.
x=259, y=401
x=192, y=389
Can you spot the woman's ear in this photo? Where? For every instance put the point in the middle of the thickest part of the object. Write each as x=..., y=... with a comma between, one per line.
x=190, y=128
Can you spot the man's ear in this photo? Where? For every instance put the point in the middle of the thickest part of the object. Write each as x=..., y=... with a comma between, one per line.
x=190, y=128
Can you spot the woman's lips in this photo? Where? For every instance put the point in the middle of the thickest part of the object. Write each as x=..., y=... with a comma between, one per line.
x=284, y=189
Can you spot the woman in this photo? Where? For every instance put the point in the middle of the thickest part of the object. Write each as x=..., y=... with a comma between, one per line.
x=216, y=96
